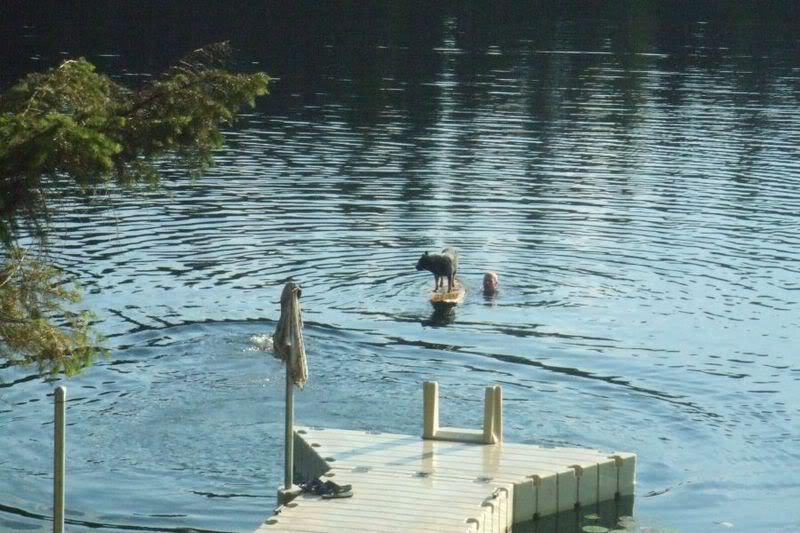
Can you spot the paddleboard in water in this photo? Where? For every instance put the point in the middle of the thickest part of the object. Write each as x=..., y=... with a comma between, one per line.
x=453, y=297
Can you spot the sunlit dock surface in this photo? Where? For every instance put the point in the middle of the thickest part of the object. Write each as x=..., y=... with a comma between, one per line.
x=405, y=483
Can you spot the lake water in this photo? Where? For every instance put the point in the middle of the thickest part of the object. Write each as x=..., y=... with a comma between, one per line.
x=632, y=174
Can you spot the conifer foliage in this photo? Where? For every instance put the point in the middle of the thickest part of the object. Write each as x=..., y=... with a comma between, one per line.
x=71, y=126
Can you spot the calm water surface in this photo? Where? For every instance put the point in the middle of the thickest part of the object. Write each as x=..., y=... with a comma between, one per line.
x=635, y=183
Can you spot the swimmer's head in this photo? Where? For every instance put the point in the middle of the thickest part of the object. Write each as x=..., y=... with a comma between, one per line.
x=490, y=282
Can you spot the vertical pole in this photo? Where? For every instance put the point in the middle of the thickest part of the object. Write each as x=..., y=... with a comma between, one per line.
x=59, y=461
x=498, y=412
x=493, y=415
x=430, y=409
x=288, y=472
x=289, y=491
x=489, y=436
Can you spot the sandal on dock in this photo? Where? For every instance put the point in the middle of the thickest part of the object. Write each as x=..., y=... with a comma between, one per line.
x=337, y=494
x=327, y=489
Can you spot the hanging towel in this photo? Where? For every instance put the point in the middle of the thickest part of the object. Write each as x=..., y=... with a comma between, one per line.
x=287, y=341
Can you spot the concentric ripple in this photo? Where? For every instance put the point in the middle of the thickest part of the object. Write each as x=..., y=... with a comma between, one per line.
x=642, y=210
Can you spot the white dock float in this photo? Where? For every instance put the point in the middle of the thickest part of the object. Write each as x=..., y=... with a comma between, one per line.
x=452, y=479
x=405, y=483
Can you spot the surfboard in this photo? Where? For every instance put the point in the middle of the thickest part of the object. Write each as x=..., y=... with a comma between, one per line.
x=453, y=297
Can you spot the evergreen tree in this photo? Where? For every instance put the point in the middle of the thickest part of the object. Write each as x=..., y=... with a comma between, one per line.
x=74, y=125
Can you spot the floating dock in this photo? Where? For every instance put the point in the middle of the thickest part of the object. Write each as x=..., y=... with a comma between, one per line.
x=403, y=483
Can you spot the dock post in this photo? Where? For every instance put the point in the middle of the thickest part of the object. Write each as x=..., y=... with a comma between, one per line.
x=59, y=459
x=430, y=409
x=493, y=415
x=288, y=472
x=289, y=491
x=288, y=346
x=498, y=413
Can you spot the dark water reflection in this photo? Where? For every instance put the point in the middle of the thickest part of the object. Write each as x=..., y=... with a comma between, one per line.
x=631, y=172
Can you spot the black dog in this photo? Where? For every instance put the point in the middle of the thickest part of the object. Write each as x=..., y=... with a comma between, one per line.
x=442, y=265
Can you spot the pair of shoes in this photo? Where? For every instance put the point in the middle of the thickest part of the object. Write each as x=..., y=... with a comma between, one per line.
x=331, y=489
x=327, y=489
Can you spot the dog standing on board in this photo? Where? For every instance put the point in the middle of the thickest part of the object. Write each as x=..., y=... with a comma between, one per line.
x=441, y=265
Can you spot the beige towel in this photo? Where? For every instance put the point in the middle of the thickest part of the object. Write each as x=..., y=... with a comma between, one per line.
x=287, y=341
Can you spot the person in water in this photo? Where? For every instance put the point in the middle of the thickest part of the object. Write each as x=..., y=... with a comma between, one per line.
x=490, y=283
